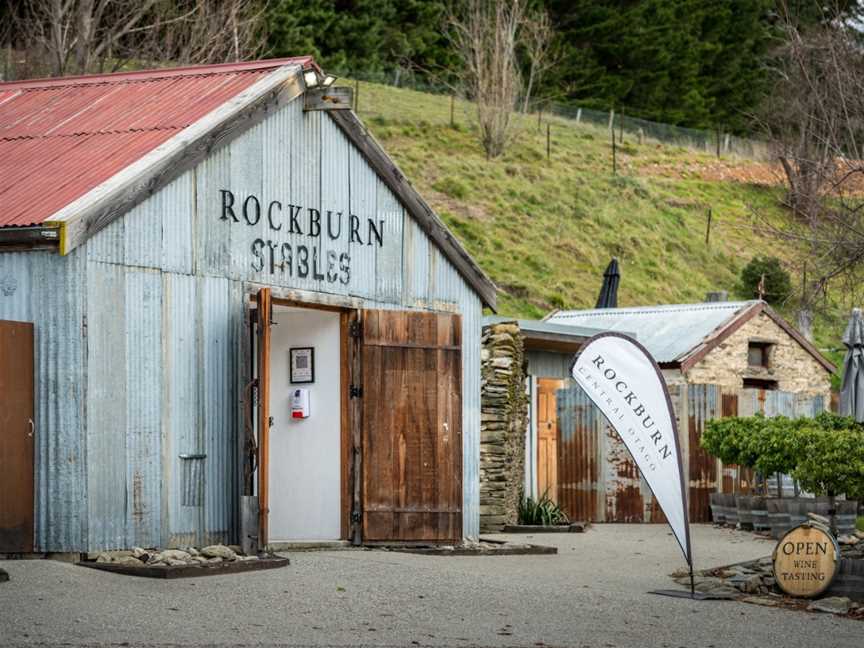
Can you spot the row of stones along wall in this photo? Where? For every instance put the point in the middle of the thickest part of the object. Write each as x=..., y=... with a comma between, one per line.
x=503, y=420
x=794, y=369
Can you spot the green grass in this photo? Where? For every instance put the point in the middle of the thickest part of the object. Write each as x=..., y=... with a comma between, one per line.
x=544, y=230
x=859, y=523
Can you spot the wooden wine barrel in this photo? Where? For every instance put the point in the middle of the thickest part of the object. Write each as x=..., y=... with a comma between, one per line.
x=730, y=509
x=759, y=510
x=718, y=513
x=778, y=516
x=745, y=514
x=849, y=581
x=806, y=560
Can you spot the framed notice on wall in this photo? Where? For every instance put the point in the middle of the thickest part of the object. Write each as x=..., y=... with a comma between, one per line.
x=302, y=364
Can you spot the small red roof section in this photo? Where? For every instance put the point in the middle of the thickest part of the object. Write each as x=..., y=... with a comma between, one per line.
x=60, y=138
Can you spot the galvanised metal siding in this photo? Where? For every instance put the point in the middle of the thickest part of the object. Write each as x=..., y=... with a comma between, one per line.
x=49, y=291
x=176, y=246
x=548, y=364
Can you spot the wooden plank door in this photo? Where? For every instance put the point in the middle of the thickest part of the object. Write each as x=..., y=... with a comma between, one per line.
x=264, y=312
x=411, y=438
x=547, y=437
x=17, y=432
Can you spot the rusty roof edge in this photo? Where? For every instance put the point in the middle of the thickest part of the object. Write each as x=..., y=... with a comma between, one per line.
x=86, y=215
x=160, y=73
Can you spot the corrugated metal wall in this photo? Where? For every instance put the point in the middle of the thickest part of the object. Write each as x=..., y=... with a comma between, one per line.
x=597, y=478
x=165, y=289
x=43, y=288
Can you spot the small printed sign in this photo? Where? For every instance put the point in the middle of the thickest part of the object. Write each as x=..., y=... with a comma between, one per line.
x=302, y=365
x=805, y=561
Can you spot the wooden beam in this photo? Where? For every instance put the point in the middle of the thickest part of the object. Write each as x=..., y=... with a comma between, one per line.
x=428, y=220
x=333, y=98
x=28, y=238
x=82, y=218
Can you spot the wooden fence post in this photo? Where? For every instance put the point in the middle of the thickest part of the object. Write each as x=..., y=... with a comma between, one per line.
x=357, y=96
x=548, y=141
x=708, y=228
x=452, y=101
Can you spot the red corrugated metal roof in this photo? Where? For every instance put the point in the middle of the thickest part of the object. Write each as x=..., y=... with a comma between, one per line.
x=60, y=138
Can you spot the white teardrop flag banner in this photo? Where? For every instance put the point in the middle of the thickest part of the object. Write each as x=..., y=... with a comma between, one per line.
x=623, y=380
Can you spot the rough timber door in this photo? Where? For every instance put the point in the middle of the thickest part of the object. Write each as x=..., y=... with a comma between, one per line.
x=264, y=312
x=547, y=437
x=17, y=433
x=412, y=426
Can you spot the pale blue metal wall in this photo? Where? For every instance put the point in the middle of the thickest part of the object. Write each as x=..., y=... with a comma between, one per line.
x=165, y=290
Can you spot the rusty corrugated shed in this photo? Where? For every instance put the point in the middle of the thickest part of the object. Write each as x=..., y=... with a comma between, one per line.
x=60, y=138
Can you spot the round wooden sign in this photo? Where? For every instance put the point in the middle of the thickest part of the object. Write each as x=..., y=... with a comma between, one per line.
x=806, y=560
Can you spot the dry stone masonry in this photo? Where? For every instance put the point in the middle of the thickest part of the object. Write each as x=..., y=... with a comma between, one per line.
x=794, y=369
x=503, y=420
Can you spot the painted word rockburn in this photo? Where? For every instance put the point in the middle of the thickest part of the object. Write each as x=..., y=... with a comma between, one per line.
x=622, y=379
x=272, y=254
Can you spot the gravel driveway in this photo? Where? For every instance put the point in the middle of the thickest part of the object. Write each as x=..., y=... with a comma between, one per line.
x=593, y=593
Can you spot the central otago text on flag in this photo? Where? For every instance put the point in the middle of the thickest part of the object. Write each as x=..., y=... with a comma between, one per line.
x=622, y=379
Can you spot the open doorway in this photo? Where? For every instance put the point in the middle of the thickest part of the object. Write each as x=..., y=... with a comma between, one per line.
x=305, y=472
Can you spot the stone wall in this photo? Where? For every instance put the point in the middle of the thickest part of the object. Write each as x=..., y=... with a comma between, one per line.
x=503, y=420
x=794, y=369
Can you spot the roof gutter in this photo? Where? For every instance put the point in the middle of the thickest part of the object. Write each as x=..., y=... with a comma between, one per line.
x=29, y=238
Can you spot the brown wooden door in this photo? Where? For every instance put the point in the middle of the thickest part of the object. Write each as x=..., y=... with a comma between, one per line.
x=547, y=437
x=17, y=432
x=411, y=440
x=264, y=311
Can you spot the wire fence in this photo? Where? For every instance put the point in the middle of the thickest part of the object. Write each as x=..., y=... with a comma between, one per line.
x=441, y=105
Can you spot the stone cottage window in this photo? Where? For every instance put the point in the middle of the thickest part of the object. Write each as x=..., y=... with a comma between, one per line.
x=758, y=353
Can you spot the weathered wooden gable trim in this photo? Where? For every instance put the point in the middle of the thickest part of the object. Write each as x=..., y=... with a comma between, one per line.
x=333, y=98
x=428, y=220
x=688, y=360
x=84, y=217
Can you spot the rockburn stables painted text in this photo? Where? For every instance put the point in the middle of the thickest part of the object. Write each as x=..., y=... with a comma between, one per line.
x=269, y=255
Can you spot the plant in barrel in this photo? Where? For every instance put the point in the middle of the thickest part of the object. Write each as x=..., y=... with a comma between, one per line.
x=730, y=439
x=831, y=459
x=774, y=446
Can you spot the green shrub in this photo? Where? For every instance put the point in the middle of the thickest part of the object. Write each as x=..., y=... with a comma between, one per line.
x=451, y=186
x=778, y=286
x=825, y=454
x=831, y=461
x=543, y=511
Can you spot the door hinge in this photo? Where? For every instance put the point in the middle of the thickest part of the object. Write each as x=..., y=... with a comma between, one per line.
x=270, y=421
x=354, y=329
x=355, y=391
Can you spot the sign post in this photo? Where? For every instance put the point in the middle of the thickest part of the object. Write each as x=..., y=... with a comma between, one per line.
x=622, y=379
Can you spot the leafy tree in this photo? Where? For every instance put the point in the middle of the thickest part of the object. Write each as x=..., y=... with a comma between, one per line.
x=777, y=286
x=364, y=36
x=831, y=461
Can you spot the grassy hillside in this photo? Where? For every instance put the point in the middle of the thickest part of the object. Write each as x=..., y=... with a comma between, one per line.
x=544, y=230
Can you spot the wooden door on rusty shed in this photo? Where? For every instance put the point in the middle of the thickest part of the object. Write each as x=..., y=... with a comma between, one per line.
x=17, y=432
x=411, y=426
x=547, y=437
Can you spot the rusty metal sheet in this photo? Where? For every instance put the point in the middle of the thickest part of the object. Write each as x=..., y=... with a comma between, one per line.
x=60, y=138
x=16, y=436
x=704, y=402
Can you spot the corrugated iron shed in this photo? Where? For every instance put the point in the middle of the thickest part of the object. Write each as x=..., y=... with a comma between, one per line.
x=60, y=138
